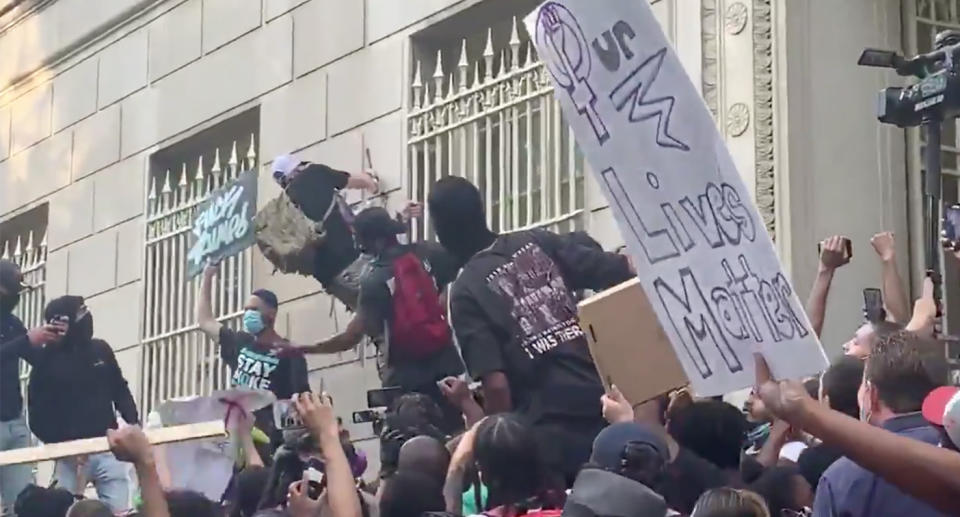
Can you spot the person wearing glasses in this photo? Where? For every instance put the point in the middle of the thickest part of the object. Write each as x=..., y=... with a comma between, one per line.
x=76, y=388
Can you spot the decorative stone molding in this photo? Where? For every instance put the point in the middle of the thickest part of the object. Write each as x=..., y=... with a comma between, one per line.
x=736, y=18
x=710, y=52
x=738, y=119
x=763, y=113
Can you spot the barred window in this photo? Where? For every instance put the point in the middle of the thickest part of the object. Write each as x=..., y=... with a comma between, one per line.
x=178, y=360
x=481, y=107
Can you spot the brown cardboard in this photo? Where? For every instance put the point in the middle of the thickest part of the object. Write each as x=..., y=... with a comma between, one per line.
x=628, y=344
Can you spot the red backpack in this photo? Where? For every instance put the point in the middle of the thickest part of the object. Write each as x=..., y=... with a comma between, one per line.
x=419, y=327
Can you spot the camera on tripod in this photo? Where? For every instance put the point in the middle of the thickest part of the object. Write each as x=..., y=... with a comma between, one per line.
x=938, y=88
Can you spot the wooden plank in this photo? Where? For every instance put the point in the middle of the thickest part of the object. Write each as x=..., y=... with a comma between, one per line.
x=157, y=436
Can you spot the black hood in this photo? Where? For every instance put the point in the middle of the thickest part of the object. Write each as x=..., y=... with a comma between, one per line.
x=80, y=331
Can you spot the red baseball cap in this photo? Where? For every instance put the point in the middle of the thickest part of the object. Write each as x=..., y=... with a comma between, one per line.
x=936, y=404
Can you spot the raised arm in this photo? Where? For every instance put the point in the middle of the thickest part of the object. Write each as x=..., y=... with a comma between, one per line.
x=895, y=298
x=130, y=444
x=205, y=320
x=832, y=256
x=586, y=267
x=346, y=340
x=317, y=416
x=919, y=469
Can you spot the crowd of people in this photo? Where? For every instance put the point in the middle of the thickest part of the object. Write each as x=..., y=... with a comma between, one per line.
x=875, y=435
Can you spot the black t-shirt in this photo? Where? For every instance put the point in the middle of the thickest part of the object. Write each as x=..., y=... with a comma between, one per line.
x=376, y=307
x=259, y=368
x=513, y=311
x=313, y=190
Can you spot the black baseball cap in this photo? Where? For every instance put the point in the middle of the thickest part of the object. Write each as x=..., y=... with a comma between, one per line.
x=376, y=222
x=609, y=445
x=11, y=279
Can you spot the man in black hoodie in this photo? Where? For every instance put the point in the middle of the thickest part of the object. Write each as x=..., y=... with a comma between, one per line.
x=14, y=340
x=76, y=387
x=514, y=314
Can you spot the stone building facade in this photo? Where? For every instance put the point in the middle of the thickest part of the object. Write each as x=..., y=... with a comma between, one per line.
x=116, y=116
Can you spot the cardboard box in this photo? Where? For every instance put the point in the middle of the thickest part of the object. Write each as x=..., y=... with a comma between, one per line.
x=628, y=344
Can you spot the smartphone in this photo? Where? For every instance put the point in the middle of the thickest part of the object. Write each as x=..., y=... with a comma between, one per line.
x=315, y=482
x=847, y=246
x=365, y=416
x=873, y=305
x=383, y=397
x=951, y=224
x=285, y=416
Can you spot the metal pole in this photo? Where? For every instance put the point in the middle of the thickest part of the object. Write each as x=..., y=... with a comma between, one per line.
x=931, y=196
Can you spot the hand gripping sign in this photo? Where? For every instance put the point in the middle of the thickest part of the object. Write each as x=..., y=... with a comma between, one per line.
x=704, y=261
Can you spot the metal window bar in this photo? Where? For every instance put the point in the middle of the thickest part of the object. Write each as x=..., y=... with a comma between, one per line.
x=178, y=360
x=32, y=259
x=495, y=122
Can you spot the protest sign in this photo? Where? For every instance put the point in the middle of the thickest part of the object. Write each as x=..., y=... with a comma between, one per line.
x=55, y=451
x=702, y=253
x=223, y=224
x=206, y=466
x=616, y=342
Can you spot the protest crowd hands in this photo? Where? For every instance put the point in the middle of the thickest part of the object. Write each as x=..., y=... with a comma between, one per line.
x=616, y=408
x=885, y=245
x=787, y=400
x=833, y=253
x=299, y=502
x=317, y=415
x=44, y=334
x=925, y=311
x=130, y=444
x=457, y=391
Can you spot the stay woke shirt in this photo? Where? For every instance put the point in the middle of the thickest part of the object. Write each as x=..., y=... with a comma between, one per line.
x=257, y=367
x=513, y=311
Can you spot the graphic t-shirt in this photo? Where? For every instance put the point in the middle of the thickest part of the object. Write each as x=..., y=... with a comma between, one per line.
x=513, y=311
x=254, y=367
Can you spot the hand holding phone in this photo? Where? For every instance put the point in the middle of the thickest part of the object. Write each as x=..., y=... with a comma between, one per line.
x=299, y=496
x=835, y=252
x=873, y=305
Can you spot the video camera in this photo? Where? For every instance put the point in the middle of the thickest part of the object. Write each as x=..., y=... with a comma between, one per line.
x=938, y=88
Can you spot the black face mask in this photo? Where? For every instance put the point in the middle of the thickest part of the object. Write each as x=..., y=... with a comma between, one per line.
x=82, y=330
x=8, y=302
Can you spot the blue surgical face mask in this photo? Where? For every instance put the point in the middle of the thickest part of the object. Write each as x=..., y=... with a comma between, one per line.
x=253, y=322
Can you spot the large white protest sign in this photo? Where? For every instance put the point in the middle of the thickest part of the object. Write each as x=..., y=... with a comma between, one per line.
x=206, y=466
x=702, y=253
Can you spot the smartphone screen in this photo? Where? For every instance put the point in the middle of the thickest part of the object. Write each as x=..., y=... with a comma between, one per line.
x=951, y=223
x=365, y=416
x=382, y=397
x=873, y=304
